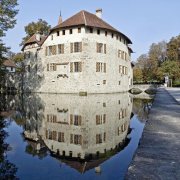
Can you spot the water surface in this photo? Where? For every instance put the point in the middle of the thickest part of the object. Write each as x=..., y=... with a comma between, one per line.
x=69, y=136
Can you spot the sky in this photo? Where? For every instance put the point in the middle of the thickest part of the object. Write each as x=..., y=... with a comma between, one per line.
x=143, y=21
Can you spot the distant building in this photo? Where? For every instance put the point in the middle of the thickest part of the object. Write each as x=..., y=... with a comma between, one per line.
x=8, y=83
x=9, y=66
x=81, y=54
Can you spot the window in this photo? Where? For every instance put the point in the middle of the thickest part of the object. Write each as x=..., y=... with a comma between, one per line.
x=61, y=49
x=100, y=119
x=99, y=47
x=11, y=68
x=112, y=35
x=75, y=139
x=98, y=138
x=51, y=37
x=77, y=120
x=63, y=32
x=104, y=81
x=76, y=47
x=106, y=33
x=70, y=31
x=57, y=33
x=91, y=30
x=119, y=53
x=119, y=82
x=76, y=67
x=79, y=30
x=60, y=136
x=100, y=67
x=52, y=50
x=52, y=67
x=98, y=32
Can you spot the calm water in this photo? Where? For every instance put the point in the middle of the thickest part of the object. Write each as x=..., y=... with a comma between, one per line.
x=70, y=137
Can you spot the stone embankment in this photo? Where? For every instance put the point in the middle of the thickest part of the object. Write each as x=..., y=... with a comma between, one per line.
x=158, y=155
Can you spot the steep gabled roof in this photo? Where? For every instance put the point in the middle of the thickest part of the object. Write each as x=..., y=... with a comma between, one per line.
x=9, y=63
x=33, y=39
x=87, y=19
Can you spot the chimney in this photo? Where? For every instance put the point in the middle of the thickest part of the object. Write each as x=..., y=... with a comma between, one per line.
x=99, y=13
x=60, y=19
x=38, y=36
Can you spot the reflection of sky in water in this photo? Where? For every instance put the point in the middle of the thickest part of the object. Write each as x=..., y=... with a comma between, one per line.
x=113, y=165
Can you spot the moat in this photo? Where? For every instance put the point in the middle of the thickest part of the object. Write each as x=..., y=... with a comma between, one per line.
x=48, y=136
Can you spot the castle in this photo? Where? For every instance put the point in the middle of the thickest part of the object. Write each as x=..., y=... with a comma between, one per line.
x=82, y=54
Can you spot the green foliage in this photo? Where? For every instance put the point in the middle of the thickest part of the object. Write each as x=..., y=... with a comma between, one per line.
x=173, y=49
x=162, y=59
x=18, y=58
x=170, y=68
x=7, y=21
x=40, y=26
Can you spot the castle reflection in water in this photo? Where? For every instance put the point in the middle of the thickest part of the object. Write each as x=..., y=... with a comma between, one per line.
x=78, y=129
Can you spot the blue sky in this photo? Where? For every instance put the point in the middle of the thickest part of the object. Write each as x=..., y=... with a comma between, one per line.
x=143, y=21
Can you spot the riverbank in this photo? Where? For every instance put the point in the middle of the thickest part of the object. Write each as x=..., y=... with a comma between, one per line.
x=157, y=156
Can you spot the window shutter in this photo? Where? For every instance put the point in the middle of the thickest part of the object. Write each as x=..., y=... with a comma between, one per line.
x=104, y=48
x=71, y=67
x=80, y=46
x=71, y=47
x=62, y=48
x=80, y=120
x=105, y=67
x=71, y=138
x=55, y=67
x=46, y=50
x=80, y=66
x=71, y=119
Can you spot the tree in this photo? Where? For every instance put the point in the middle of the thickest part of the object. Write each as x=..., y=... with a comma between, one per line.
x=170, y=68
x=18, y=58
x=7, y=21
x=173, y=49
x=40, y=26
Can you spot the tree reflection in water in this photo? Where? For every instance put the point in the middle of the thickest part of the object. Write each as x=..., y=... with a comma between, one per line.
x=7, y=169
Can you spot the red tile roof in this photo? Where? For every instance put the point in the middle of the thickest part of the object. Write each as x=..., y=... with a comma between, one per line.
x=33, y=39
x=90, y=20
x=9, y=63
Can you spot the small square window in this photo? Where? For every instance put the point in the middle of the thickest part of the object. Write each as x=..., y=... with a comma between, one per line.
x=79, y=30
x=104, y=81
x=98, y=32
x=119, y=82
x=91, y=30
x=112, y=35
x=105, y=33
x=70, y=31
x=57, y=33
x=63, y=32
